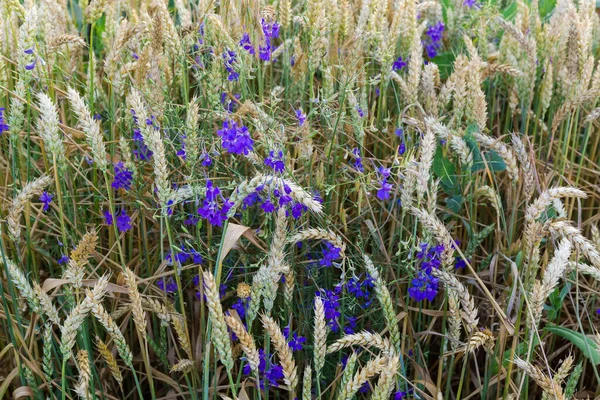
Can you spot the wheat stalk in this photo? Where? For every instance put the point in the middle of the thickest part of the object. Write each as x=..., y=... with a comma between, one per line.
x=115, y=333
x=552, y=388
x=364, y=339
x=371, y=368
x=49, y=131
x=183, y=366
x=246, y=341
x=179, y=326
x=139, y=315
x=82, y=386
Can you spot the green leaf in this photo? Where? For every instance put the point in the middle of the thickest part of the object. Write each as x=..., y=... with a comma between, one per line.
x=493, y=161
x=585, y=344
x=444, y=169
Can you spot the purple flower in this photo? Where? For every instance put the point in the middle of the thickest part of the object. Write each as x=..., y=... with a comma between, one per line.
x=108, y=218
x=362, y=289
x=63, y=260
x=267, y=206
x=123, y=177
x=46, y=198
x=264, y=52
x=301, y=117
x=275, y=161
x=398, y=64
x=235, y=139
x=350, y=326
x=423, y=287
x=142, y=152
x=296, y=342
x=241, y=306
x=271, y=30
x=399, y=395
x=365, y=388
x=331, y=304
x=360, y=112
x=3, y=125
x=358, y=165
x=210, y=208
x=434, y=39
x=169, y=286
x=123, y=221
x=206, y=161
x=330, y=254
x=246, y=44
x=383, y=193
x=228, y=103
x=229, y=58
x=470, y=3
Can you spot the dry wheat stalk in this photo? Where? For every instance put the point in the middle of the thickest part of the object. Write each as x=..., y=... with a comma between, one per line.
x=110, y=360
x=286, y=357
x=563, y=371
x=503, y=151
x=182, y=336
x=551, y=388
x=82, y=386
x=220, y=337
x=162, y=312
x=364, y=339
x=31, y=189
x=481, y=338
x=319, y=234
x=540, y=204
x=582, y=244
x=466, y=301
x=183, y=366
x=454, y=319
x=371, y=368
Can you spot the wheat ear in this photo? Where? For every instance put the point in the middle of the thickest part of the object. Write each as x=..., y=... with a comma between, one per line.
x=246, y=341
x=31, y=189
x=139, y=315
x=179, y=326
x=78, y=314
x=46, y=304
x=372, y=368
x=110, y=360
x=82, y=386
x=436, y=228
x=553, y=389
x=290, y=371
x=466, y=301
x=48, y=362
x=384, y=297
x=220, y=337
x=21, y=282
x=387, y=379
x=183, y=366
x=364, y=339
x=307, y=384
x=320, y=339
x=540, y=204
x=115, y=333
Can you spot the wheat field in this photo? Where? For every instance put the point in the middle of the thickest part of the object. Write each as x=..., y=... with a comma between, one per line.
x=307, y=199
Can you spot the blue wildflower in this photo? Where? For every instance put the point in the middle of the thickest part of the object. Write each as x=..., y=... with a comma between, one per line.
x=123, y=221
x=275, y=161
x=108, y=218
x=246, y=44
x=3, y=125
x=434, y=39
x=358, y=164
x=210, y=208
x=229, y=58
x=63, y=260
x=123, y=177
x=398, y=64
x=301, y=117
x=330, y=254
x=46, y=199
x=235, y=139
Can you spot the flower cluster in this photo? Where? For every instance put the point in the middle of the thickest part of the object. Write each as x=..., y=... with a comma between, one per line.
x=295, y=342
x=362, y=289
x=271, y=373
x=123, y=220
x=425, y=286
x=275, y=161
x=383, y=193
x=142, y=152
x=228, y=103
x=271, y=31
x=331, y=303
x=3, y=125
x=230, y=58
x=281, y=196
x=168, y=286
x=330, y=254
x=433, y=42
x=184, y=256
x=398, y=64
x=235, y=139
x=301, y=117
x=210, y=208
x=402, y=147
x=46, y=199
x=123, y=177
x=358, y=164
